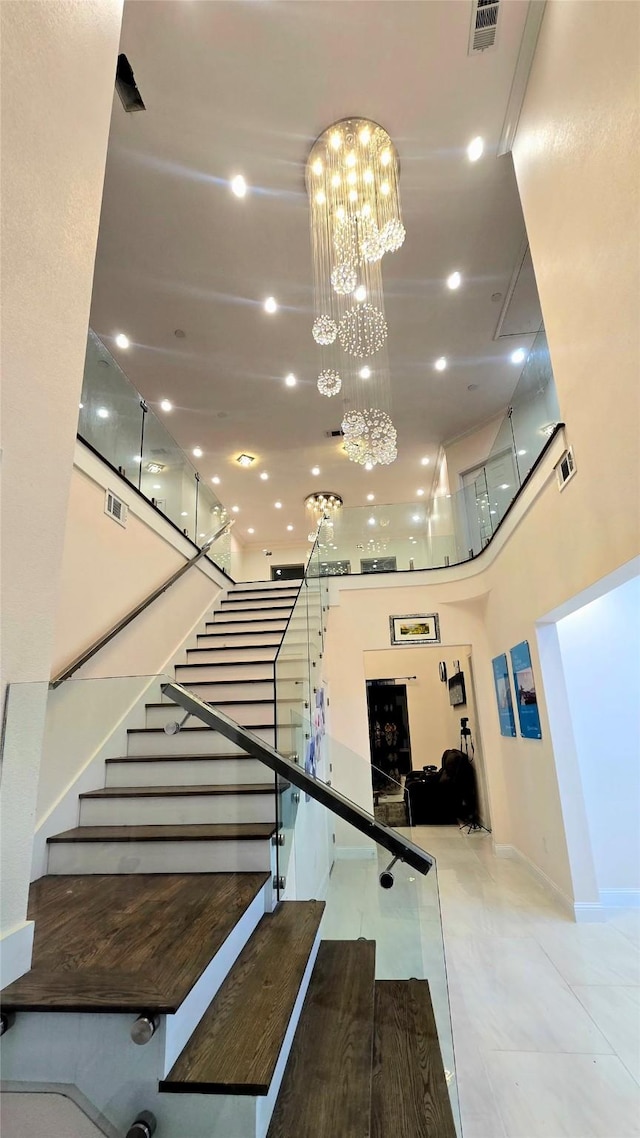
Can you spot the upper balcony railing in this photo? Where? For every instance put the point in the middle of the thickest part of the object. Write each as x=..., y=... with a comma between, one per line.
x=453, y=527
x=116, y=422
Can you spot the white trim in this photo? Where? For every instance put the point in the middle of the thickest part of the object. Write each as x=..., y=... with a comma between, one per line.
x=355, y=852
x=521, y=74
x=15, y=952
x=620, y=898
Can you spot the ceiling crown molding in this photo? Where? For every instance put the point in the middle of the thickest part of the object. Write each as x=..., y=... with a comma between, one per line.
x=521, y=75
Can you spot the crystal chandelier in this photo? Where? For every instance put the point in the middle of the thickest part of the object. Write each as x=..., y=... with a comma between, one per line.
x=352, y=181
x=322, y=506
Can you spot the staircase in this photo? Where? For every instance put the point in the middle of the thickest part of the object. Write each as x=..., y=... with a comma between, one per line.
x=165, y=978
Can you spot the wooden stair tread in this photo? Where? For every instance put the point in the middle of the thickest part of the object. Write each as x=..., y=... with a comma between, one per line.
x=110, y=932
x=326, y=1089
x=235, y=1047
x=184, y=791
x=409, y=1089
x=242, y=755
x=190, y=832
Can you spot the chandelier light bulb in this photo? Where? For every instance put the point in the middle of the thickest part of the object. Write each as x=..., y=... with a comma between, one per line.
x=385, y=188
x=351, y=158
x=317, y=167
x=365, y=136
x=368, y=177
x=335, y=181
x=336, y=140
x=320, y=197
x=385, y=158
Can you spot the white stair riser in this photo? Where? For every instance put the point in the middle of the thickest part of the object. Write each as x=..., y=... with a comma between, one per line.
x=257, y=640
x=266, y=586
x=232, y=657
x=159, y=857
x=246, y=715
x=235, y=624
x=222, y=694
x=192, y=810
x=241, y=687
x=188, y=772
x=247, y=668
x=256, y=605
x=188, y=741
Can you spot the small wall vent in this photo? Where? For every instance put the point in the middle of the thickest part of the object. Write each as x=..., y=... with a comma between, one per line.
x=484, y=25
x=333, y=434
x=566, y=468
x=115, y=508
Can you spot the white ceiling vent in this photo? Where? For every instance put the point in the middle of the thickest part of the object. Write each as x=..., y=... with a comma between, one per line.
x=484, y=24
x=115, y=508
x=566, y=468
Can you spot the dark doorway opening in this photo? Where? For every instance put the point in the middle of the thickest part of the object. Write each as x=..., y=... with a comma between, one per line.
x=389, y=738
x=287, y=572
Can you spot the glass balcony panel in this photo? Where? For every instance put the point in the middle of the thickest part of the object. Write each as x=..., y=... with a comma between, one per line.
x=110, y=416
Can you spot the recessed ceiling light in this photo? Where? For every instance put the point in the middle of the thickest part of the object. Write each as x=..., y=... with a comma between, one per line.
x=102, y=413
x=368, y=466
x=81, y=405
x=518, y=356
x=215, y=480
x=360, y=293
x=137, y=458
x=522, y=452
x=365, y=373
x=420, y=493
x=441, y=363
x=251, y=531
x=122, y=341
x=166, y=405
x=238, y=186
x=278, y=505
x=454, y=280
x=290, y=380
x=264, y=476
x=154, y=467
x=245, y=459
x=370, y=497
x=372, y=521
x=315, y=470
x=289, y=528
x=184, y=514
x=197, y=452
x=157, y=486
x=235, y=509
x=200, y=535
x=424, y=461
x=271, y=304
x=503, y=486
x=475, y=149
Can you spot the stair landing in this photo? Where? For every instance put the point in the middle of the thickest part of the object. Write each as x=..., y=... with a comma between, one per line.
x=103, y=942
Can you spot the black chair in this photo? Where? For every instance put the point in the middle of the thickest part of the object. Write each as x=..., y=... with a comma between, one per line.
x=443, y=797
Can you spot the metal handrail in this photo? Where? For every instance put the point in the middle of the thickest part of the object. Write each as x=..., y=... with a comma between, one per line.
x=107, y=636
x=401, y=848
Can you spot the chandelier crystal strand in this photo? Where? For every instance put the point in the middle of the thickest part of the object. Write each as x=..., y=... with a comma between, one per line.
x=352, y=181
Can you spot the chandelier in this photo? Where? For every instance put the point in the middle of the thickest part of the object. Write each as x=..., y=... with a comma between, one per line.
x=352, y=181
x=323, y=506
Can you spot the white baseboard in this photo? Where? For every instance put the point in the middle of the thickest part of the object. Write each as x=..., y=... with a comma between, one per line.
x=513, y=852
x=620, y=898
x=355, y=852
x=15, y=952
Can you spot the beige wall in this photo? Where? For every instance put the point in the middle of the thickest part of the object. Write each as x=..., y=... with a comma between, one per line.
x=53, y=158
x=252, y=565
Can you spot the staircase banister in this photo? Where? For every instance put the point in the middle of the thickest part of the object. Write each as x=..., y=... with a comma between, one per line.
x=401, y=848
x=139, y=608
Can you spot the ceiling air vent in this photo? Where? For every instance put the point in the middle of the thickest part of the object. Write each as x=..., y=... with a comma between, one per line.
x=115, y=508
x=333, y=434
x=484, y=23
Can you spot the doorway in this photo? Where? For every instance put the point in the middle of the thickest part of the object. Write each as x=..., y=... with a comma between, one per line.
x=389, y=744
x=287, y=572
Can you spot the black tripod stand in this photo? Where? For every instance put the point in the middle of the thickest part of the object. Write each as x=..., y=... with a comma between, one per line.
x=474, y=826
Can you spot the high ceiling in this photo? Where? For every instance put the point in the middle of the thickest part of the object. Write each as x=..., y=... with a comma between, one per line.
x=245, y=87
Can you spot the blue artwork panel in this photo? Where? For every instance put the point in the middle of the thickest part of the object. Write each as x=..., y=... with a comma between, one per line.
x=503, y=695
x=525, y=685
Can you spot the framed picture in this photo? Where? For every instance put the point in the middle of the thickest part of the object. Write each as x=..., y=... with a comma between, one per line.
x=421, y=628
x=503, y=696
x=525, y=685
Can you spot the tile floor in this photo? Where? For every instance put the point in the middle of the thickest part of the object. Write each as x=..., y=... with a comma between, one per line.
x=545, y=1012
